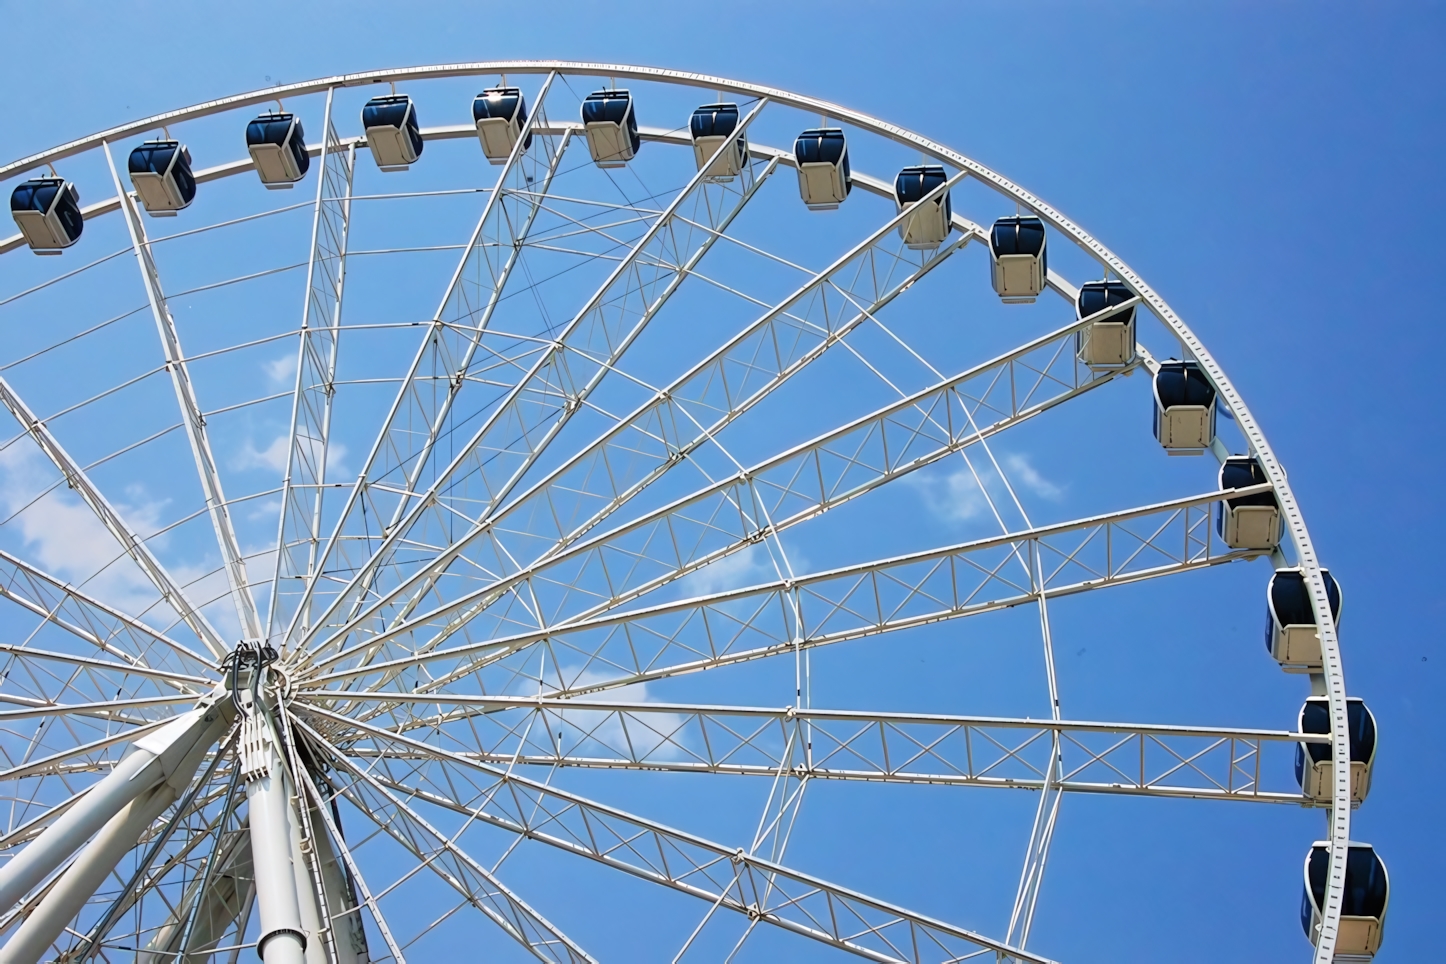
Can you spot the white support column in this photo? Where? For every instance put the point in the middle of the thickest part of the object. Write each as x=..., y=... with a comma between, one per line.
x=288, y=931
x=167, y=762
x=162, y=755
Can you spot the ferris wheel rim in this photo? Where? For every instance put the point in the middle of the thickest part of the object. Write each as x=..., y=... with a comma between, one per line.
x=1332, y=671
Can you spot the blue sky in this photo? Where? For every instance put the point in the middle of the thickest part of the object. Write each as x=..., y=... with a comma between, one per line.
x=1271, y=169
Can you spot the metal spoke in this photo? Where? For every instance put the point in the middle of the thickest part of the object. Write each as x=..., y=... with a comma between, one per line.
x=736, y=880
x=135, y=645
x=206, y=468
x=549, y=389
x=438, y=852
x=460, y=326
x=688, y=413
x=854, y=602
x=131, y=543
x=299, y=533
x=1149, y=759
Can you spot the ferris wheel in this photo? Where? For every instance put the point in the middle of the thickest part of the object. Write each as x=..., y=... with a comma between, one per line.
x=408, y=529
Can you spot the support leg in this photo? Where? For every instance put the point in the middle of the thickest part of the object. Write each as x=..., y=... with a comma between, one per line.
x=82, y=878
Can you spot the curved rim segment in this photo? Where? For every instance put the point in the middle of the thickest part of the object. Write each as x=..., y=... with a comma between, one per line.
x=1334, y=676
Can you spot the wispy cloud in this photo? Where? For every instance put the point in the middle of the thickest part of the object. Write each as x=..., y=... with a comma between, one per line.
x=961, y=496
x=281, y=372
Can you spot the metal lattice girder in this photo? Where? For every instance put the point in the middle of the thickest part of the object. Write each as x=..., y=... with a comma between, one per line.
x=460, y=328
x=440, y=853
x=299, y=536
x=191, y=416
x=685, y=415
x=550, y=381
x=75, y=477
x=730, y=877
x=131, y=645
x=1176, y=761
x=617, y=649
x=734, y=512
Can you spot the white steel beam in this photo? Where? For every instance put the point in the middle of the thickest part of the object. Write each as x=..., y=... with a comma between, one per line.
x=737, y=881
x=550, y=389
x=445, y=356
x=440, y=853
x=1151, y=759
x=131, y=543
x=676, y=422
x=195, y=423
x=299, y=528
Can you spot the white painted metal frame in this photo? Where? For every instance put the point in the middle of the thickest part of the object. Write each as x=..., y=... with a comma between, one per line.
x=1331, y=681
x=191, y=416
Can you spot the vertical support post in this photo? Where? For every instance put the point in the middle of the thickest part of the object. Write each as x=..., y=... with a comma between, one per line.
x=284, y=935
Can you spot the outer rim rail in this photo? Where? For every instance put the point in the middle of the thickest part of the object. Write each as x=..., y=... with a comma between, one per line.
x=1334, y=675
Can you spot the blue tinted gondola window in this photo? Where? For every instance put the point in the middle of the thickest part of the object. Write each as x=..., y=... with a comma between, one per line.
x=385, y=114
x=1018, y=236
x=1177, y=383
x=1366, y=890
x=821, y=146
x=152, y=158
x=714, y=120
x=270, y=129
x=915, y=182
x=1096, y=296
x=35, y=195
x=607, y=106
x=1315, y=717
x=1290, y=598
x=501, y=103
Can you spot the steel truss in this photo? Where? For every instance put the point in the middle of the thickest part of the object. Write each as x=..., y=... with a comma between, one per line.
x=195, y=423
x=680, y=419
x=1146, y=759
x=557, y=375
x=446, y=580
x=304, y=487
x=732, y=878
x=850, y=603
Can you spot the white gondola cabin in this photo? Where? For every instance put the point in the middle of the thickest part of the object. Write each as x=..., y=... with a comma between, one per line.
x=822, y=156
x=1314, y=768
x=392, y=131
x=500, y=113
x=47, y=212
x=1184, y=407
x=611, y=126
x=1247, y=521
x=277, y=145
x=927, y=223
x=161, y=174
x=1290, y=628
x=1019, y=260
x=1363, y=905
x=1109, y=340
x=712, y=126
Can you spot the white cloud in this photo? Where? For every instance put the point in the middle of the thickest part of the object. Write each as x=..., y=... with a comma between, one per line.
x=62, y=535
x=273, y=456
x=658, y=736
x=281, y=372
x=959, y=496
x=747, y=567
